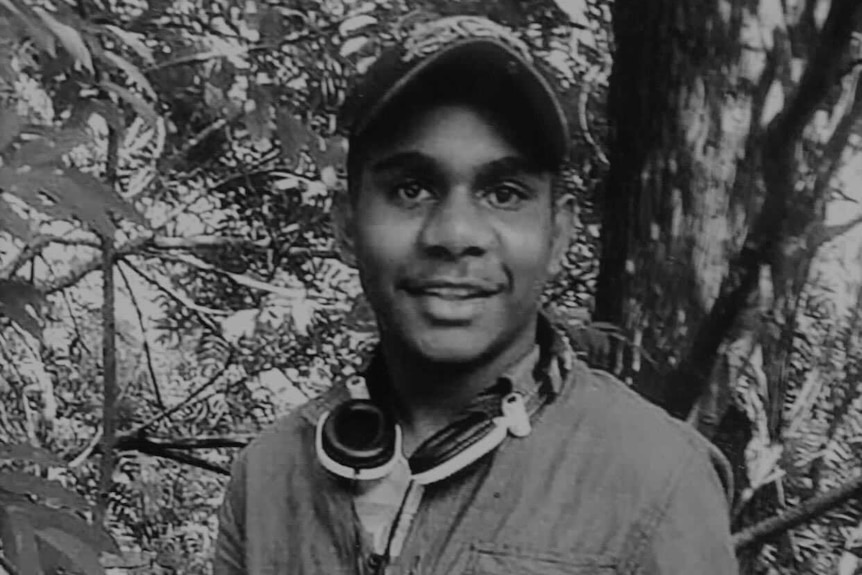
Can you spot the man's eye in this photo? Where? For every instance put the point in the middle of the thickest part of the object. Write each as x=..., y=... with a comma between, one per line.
x=412, y=192
x=506, y=196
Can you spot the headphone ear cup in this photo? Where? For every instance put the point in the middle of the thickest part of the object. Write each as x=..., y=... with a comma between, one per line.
x=360, y=435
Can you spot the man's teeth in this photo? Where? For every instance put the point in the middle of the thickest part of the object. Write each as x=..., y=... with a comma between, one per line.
x=452, y=292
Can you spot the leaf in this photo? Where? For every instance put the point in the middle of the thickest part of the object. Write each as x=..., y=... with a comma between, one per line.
x=75, y=195
x=133, y=41
x=29, y=453
x=576, y=10
x=36, y=30
x=132, y=71
x=356, y=23
x=271, y=25
x=109, y=111
x=110, y=200
x=80, y=554
x=51, y=492
x=21, y=302
x=13, y=224
x=19, y=541
x=42, y=518
x=50, y=147
x=329, y=153
x=141, y=107
x=69, y=38
x=259, y=112
x=352, y=46
x=292, y=133
x=10, y=127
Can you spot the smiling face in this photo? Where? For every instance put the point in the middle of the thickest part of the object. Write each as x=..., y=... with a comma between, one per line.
x=454, y=234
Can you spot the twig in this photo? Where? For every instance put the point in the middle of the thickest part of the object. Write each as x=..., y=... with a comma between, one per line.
x=88, y=451
x=839, y=194
x=184, y=458
x=806, y=511
x=92, y=265
x=134, y=441
x=211, y=55
x=75, y=326
x=147, y=353
x=211, y=241
x=827, y=234
x=209, y=383
x=238, y=278
x=10, y=569
x=583, y=100
x=201, y=312
x=35, y=247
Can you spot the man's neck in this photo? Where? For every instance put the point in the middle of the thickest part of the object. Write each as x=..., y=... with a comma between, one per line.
x=430, y=395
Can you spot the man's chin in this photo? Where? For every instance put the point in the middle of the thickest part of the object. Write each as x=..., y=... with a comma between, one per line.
x=452, y=346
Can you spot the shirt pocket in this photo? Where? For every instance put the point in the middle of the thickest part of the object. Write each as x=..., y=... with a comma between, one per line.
x=495, y=560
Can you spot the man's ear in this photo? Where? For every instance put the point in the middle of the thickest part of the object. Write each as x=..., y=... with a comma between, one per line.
x=343, y=226
x=564, y=220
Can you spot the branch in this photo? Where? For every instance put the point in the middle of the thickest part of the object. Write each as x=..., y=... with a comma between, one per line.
x=826, y=234
x=841, y=195
x=209, y=383
x=243, y=280
x=183, y=458
x=35, y=247
x=832, y=154
x=210, y=55
x=583, y=100
x=109, y=377
x=92, y=265
x=161, y=242
x=147, y=353
x=211, y=241
x=92, y=447
x=821, y=73
x=688, y=380
x=132, y=442
x=200, y=311
x=806, y=511
x=10, y=569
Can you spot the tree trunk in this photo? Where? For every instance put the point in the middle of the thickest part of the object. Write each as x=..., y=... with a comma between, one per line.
x=685, y=102
x=716, y=197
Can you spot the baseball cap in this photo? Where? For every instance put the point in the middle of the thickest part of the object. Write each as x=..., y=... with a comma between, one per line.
x=473, y=53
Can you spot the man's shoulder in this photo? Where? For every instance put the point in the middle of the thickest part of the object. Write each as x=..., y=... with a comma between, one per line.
x=289, y=437
x=637, y=436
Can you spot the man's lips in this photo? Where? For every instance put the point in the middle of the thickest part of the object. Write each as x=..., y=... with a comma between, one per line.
x=451, y=290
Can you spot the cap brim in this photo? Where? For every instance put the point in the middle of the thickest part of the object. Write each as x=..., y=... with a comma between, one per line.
x=487, y=57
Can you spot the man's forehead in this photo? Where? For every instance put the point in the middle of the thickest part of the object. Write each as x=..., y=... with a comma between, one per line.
x=416, y=161
x=420, y=136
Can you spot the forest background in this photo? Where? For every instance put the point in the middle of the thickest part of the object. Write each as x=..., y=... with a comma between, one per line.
x=191, y=148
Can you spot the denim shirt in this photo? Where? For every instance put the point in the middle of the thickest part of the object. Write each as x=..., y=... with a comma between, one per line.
x=605, y=483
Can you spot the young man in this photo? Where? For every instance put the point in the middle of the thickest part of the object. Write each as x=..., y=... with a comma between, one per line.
x=474, y=442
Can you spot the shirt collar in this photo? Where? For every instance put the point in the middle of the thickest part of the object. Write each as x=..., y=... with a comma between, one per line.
x=547, y=365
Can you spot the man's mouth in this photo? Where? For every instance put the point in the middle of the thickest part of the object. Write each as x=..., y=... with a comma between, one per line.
x=451, y=290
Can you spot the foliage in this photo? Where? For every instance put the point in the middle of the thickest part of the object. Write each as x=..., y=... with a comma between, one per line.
x=198, y=141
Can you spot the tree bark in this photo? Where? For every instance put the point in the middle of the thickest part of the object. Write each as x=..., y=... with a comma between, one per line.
x=682, y=102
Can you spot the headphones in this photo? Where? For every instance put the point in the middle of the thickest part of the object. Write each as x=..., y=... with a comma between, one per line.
x=360, y=440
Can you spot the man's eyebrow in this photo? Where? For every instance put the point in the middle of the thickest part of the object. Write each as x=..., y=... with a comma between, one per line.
x=507, y=167
x=403, y=160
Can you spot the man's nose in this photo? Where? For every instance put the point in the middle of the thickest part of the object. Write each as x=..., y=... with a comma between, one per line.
x=457, y=227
